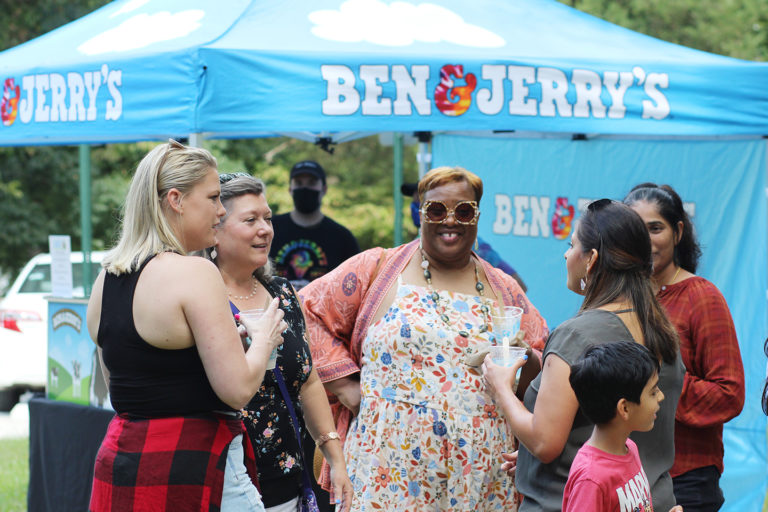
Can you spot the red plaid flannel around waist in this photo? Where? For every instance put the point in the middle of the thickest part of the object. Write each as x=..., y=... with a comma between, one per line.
x=165, y=463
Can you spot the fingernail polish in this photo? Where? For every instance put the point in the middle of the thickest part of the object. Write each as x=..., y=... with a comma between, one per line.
x=525, y=358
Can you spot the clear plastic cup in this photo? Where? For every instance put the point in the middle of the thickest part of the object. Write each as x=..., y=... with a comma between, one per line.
x=506, y=356
x=505, y=324
x=255, y=314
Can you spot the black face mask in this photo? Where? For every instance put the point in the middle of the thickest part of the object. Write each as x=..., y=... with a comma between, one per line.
x=306, y=200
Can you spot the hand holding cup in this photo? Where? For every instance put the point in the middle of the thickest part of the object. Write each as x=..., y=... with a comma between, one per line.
x=500, y=380
x=264, y=326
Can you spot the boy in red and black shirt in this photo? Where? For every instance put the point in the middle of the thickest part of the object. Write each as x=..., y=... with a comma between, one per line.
x=617, y=388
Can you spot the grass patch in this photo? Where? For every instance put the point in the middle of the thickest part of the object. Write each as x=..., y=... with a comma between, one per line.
x=14, y=474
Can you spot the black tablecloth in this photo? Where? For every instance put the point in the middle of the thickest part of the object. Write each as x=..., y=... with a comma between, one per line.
x=63, y=441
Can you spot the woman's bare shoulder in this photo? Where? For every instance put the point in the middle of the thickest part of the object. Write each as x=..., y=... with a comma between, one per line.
x=192, y=267
x=179, y=279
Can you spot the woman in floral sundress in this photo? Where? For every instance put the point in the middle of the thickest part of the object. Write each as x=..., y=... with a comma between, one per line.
x=395, y=335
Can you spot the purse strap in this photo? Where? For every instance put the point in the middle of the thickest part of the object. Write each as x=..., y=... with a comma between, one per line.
x=306, y=482
x=295, y=422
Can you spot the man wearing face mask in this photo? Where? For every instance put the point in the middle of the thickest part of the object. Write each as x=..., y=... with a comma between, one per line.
x=484, y=249
x=308, y=244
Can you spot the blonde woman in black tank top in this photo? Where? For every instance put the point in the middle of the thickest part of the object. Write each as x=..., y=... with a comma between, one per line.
x=180, y=332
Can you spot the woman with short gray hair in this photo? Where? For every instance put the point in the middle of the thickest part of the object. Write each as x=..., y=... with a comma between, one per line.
x=244, y=237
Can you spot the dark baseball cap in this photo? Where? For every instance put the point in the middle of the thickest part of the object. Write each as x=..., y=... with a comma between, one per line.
x=408, y=189
x=308, y=167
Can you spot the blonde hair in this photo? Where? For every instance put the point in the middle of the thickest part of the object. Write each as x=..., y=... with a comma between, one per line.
x=145, y=229
x=443, y=175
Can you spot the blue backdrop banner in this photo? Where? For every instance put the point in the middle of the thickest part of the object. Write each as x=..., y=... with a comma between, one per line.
x=534, y=188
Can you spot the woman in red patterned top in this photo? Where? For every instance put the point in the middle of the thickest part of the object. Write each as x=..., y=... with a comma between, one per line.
x=713, y=390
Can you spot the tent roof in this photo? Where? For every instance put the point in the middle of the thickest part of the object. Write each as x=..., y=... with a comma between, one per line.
x=142, y=69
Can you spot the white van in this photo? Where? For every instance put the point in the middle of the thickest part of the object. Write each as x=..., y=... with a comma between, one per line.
x=24, y=325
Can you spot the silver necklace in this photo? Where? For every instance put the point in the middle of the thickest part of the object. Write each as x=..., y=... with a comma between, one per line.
x=441, y=308
x=246, y=297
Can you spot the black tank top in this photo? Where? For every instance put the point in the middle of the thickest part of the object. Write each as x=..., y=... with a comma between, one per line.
x=146, y=381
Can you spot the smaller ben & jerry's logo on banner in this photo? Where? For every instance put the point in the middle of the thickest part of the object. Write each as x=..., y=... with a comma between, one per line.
x=542, y=216
x=535, y=216
x=56, y=97
x=493, y=89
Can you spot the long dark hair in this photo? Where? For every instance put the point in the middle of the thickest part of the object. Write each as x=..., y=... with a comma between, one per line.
x=623, y=271
x=670, y=206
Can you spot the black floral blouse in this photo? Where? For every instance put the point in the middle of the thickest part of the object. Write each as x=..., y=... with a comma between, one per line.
x=267, y=419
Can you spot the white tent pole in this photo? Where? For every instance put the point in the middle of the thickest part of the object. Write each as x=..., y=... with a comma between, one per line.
x=424, y=158
x=196, y=140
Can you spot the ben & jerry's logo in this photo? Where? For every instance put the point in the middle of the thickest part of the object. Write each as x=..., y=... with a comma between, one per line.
x=66, y=317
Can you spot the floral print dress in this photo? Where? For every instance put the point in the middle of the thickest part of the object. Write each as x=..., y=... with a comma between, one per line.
x=266, y=416
x=428, y=435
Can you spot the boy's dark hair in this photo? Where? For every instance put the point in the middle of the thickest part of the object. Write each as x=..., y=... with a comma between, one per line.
x=608, y=372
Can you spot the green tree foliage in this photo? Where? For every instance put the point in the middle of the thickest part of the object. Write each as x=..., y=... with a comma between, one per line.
x=360, y=180
x=26, y=20
x=735, y=28
x=35, y=200
x=38, y=185
x=112, y=167
x=39, y=195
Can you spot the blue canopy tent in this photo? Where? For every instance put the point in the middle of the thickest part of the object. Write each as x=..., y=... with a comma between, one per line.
x=140, y=69
x=575, y=90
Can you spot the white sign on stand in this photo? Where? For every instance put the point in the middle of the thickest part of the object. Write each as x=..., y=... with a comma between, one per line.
x=60, y=247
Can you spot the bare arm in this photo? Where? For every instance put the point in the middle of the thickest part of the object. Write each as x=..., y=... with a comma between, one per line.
x=317, y=414
x=180, y=302
x=93, y=313
x=545, y=431
x=92, y=318
x=347, y=390
x=234, y=376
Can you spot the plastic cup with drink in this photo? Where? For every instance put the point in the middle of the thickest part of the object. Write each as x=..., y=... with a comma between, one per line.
x=252, y=315
x=506, y=324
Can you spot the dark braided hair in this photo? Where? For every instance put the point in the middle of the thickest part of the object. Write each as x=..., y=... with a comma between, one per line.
x=687, y=251
x=623, y=271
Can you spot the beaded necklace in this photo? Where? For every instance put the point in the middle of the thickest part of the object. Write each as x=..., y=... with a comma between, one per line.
x=246, y=297
x=441, y=308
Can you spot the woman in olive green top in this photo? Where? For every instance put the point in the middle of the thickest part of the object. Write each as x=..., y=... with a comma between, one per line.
x=609, y=262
